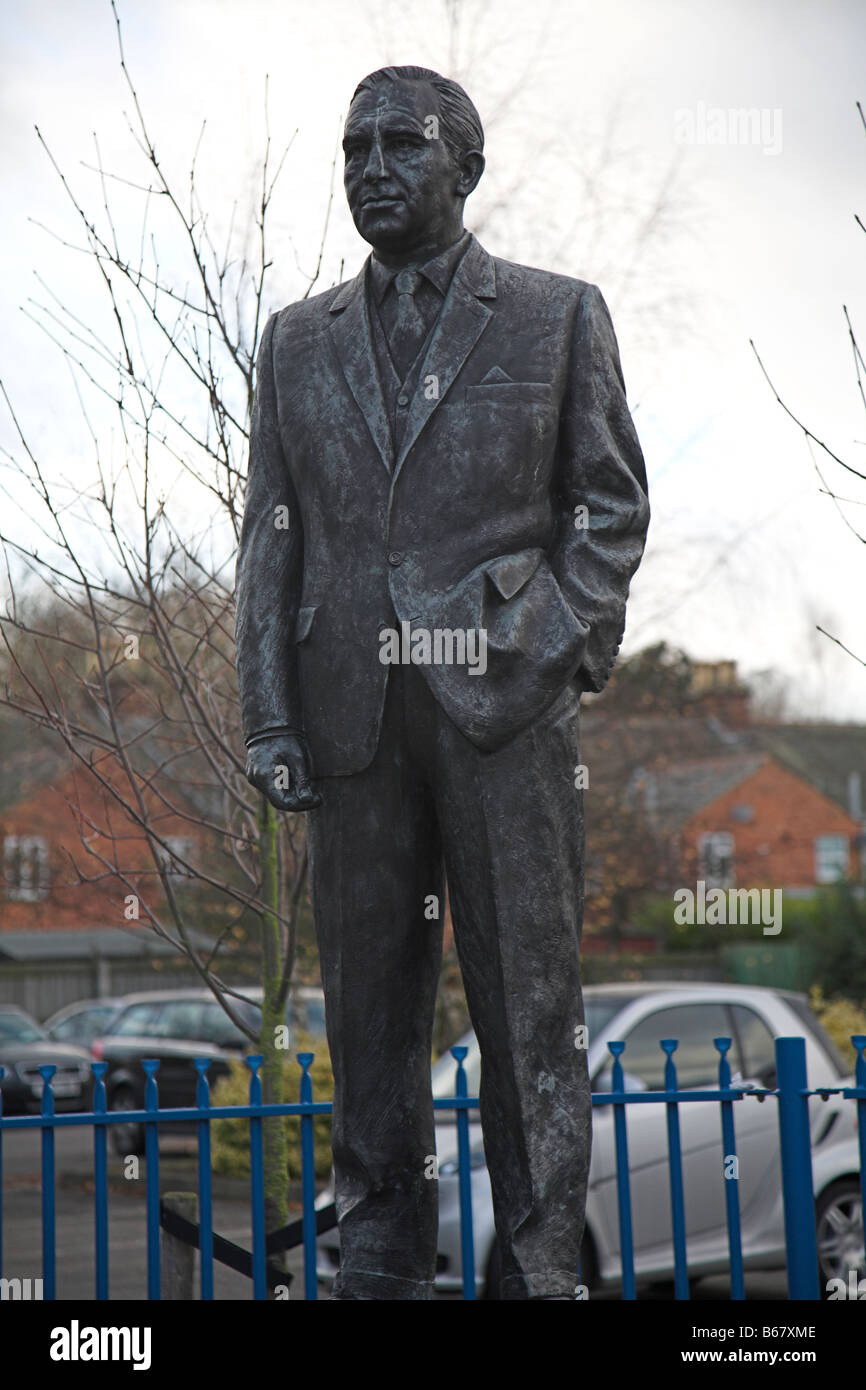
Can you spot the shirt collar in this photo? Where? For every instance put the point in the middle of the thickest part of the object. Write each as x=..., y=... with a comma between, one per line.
x=439, y=270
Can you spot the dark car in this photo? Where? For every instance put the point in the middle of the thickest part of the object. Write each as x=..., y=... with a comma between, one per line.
x=175, y=1027
x=83, y=1021
x=24, y=1048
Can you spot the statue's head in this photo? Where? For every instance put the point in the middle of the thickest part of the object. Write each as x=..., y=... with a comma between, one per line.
x=413, y=147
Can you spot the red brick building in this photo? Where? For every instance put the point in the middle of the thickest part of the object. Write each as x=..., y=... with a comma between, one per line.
x=70, y=856
x=674, y=798
x=770, y=829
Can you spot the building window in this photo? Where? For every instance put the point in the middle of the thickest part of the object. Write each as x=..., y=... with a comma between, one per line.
x=831, y=858
x=716, y=859
x=25, y=867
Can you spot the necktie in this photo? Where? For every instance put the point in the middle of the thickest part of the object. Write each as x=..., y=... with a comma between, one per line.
x=410, y=329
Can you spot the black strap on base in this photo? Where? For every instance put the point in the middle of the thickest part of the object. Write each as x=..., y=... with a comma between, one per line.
x=234, y=1256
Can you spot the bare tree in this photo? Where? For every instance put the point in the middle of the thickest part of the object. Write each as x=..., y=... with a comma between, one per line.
x=118, y=629
x=821, y=453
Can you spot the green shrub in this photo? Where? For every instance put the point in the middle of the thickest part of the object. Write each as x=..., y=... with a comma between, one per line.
x=836, y=941
x=840, y=1018
x=230, y=1139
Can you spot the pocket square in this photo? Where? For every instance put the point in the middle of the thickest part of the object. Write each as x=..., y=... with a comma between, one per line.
x=493, y=376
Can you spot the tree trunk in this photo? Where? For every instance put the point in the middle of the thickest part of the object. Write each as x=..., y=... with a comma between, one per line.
x=273, y=1017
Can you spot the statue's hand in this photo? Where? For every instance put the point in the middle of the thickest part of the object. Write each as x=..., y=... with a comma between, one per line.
x=280, y=767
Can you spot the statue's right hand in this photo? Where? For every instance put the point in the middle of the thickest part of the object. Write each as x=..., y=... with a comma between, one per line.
x=280, y=767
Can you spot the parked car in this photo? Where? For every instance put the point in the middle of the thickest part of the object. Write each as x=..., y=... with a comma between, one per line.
x=80, y=1023
x=642, y=1014
x=24, y=1048
x=176, y=1027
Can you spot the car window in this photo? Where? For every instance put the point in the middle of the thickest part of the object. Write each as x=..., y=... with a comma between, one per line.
x=696, y=1059
x=308, y=1016
x=138, y=1020
x=600, y=1011
x=217, y=1027
x=757, y=1047
x=19, y=1028
x=69, y=1028
x=83, y=1025
x=182, y=1018
x=819, y=1033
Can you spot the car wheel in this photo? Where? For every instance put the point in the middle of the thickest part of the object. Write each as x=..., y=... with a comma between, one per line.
x=839, y=1220
x=588, y=1268
x=126, y=1138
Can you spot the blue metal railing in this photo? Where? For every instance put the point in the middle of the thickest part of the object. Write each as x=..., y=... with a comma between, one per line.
x=791, y=1092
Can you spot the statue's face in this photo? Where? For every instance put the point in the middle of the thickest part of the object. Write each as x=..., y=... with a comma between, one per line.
x=402, y=186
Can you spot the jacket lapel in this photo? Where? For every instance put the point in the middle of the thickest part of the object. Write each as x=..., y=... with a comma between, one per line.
x=353, y=340
x=462, y=321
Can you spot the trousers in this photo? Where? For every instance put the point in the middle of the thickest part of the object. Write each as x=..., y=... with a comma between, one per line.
x=506, y=829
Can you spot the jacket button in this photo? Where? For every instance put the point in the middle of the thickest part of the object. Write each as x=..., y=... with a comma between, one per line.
x=402, y=400
x=395, y=558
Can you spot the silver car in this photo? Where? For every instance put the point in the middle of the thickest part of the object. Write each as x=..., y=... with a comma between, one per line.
x=642, y=1014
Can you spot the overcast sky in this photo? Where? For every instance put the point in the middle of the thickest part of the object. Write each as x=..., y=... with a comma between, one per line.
x=592, y=111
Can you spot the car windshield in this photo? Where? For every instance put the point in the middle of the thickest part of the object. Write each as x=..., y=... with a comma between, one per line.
x=805, y=1015
x=19, y=1028
x=601, y=1009
x=201, y=1019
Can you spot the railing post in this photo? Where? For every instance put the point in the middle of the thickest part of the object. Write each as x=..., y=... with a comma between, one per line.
x=49, y=1267
x=675, y=1164
x=859, y=1042
x=623, y=1190
x=308, y=1180
x=795, y=1141
x=150, y=1066
x=732, y=1183
x=178, y=1258
x=257, y=1182
x=202, y=1100
x=2, y=1074
x=100, y=1181
x=464, y=1179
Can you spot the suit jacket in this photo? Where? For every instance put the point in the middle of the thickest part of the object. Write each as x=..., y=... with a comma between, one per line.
x=520, y=417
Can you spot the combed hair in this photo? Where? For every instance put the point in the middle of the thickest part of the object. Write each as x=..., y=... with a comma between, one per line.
x=461, y=126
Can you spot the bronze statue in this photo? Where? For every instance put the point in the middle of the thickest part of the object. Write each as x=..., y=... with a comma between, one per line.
x=446, y=503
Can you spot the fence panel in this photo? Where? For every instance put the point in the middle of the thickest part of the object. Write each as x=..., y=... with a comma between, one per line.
x=791, y=1093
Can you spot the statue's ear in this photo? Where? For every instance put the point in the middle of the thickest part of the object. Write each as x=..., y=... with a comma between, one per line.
x=470, y=170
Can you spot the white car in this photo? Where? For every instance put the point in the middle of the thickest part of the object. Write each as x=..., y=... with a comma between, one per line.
x=640, y=1015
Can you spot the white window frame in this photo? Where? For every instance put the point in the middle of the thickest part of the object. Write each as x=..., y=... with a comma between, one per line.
x=825, y=870
x=721, y=845
x=25, y=867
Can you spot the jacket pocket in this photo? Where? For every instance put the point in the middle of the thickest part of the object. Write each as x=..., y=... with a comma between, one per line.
x=510, y=393
x=509, y=573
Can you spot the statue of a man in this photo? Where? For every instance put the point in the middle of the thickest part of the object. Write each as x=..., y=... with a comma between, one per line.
x=445, y=505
